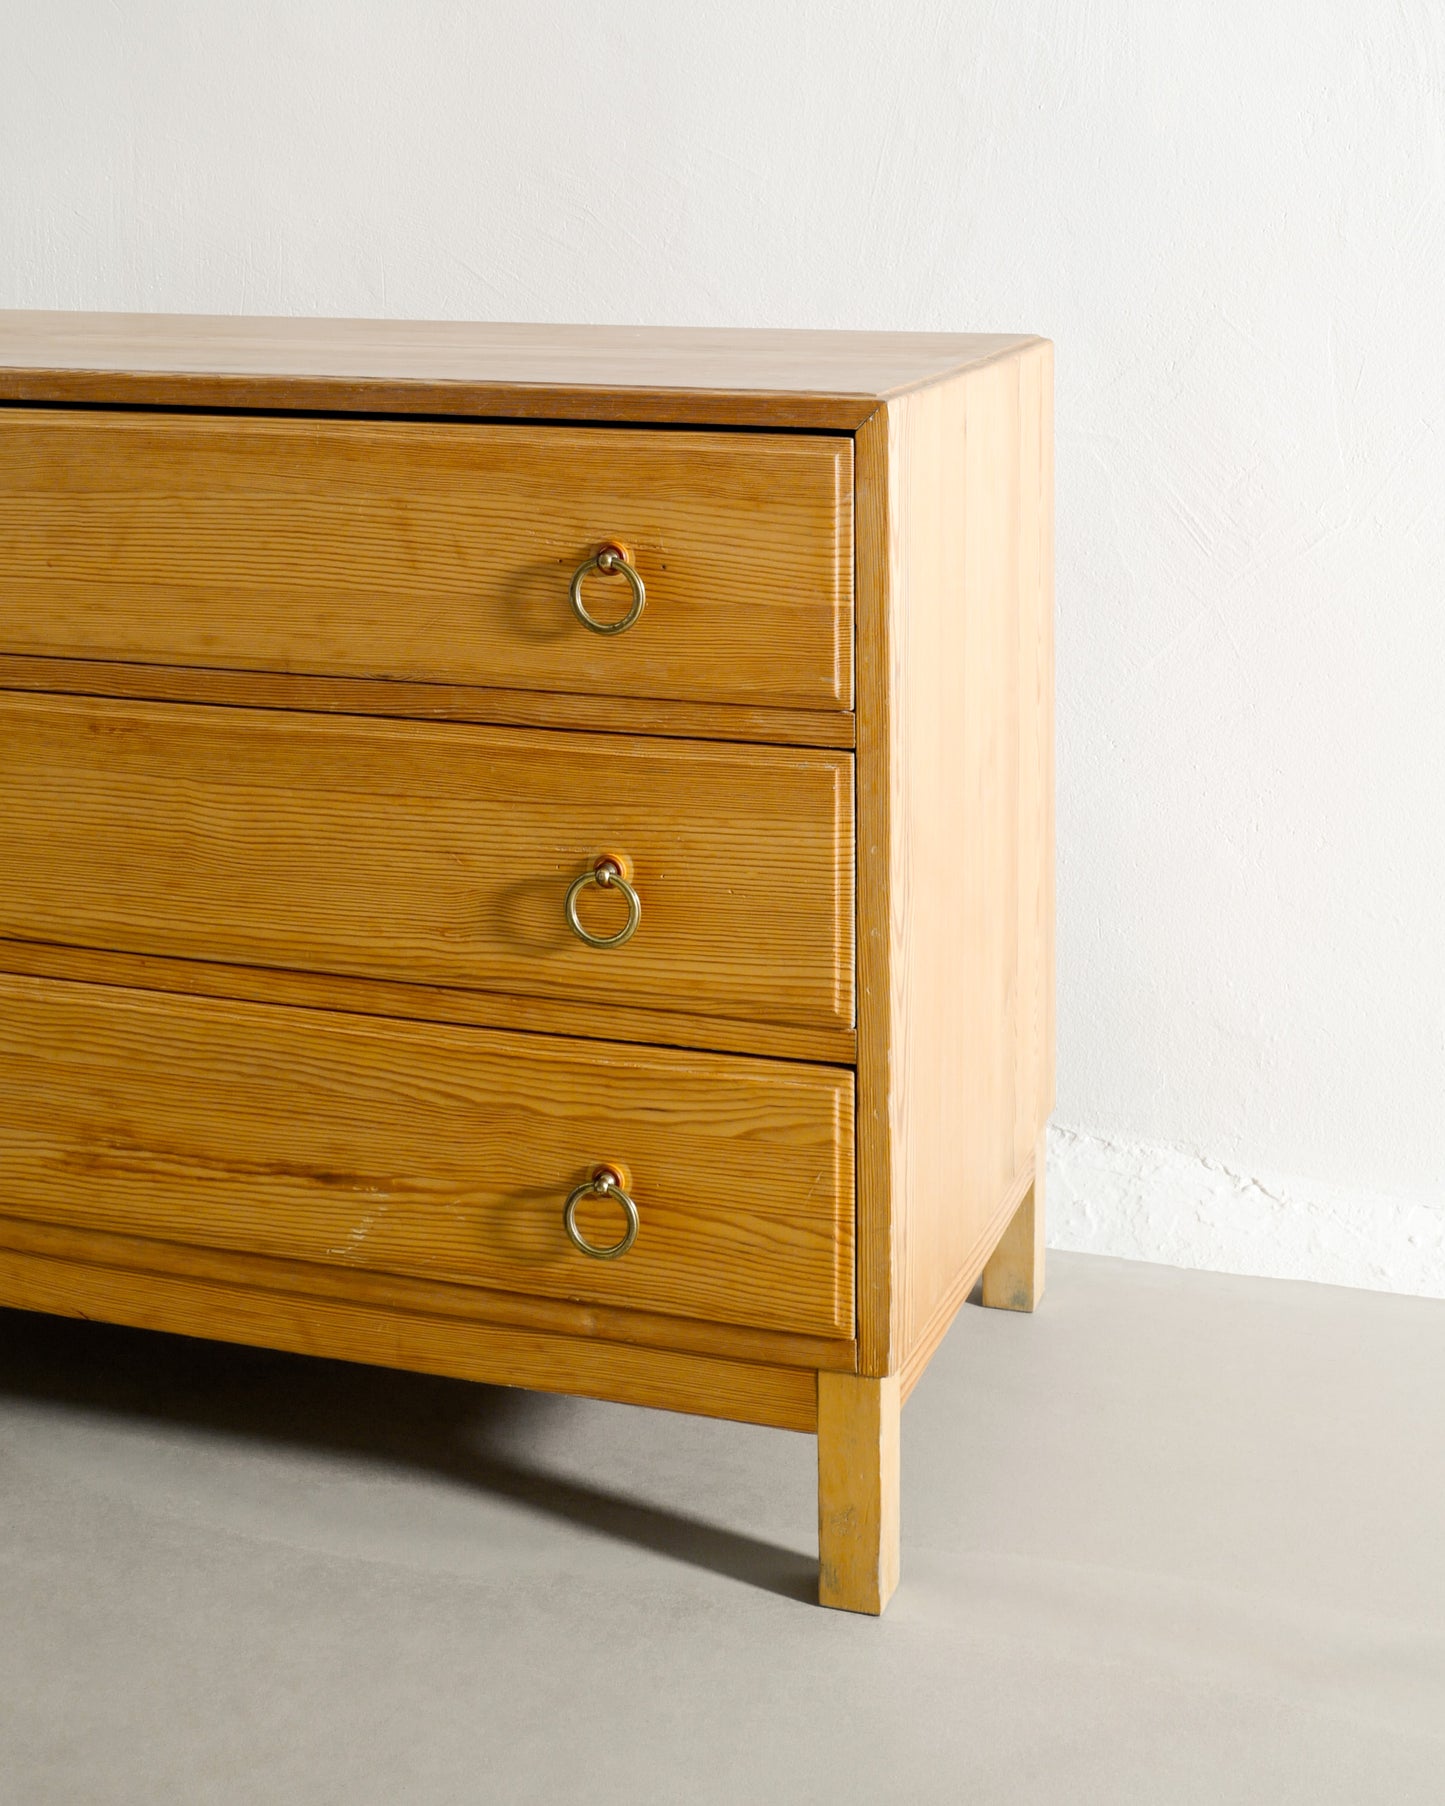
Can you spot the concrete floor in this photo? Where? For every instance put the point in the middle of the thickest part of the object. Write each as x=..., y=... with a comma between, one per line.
x=1178, y=1538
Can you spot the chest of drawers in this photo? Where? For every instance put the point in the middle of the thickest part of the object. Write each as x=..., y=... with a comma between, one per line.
x=526, y=853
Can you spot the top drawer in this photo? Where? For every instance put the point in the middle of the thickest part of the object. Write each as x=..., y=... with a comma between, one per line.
x=432, y=551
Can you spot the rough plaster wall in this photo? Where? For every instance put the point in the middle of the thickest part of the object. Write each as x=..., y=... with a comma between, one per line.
x=1148, y=1202
x=1232, y=220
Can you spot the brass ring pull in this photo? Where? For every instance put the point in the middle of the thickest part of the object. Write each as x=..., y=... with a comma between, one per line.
x=608, y=560
x=604, y=1183
x=607, y=875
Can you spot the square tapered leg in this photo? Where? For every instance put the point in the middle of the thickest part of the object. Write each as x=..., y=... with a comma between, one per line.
x=1013, y=1280
x=858, y=1474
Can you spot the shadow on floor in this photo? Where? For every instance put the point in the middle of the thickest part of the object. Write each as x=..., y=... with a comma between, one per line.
x=448, y=1427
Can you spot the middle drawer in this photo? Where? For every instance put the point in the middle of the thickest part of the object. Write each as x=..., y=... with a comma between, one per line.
x=433, y=853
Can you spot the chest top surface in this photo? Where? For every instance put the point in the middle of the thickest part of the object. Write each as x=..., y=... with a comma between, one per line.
x=696, y=375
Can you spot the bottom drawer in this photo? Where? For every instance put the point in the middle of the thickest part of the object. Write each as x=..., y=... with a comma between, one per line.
x=427, y=1149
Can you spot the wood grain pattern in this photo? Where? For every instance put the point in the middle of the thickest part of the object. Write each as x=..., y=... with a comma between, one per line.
x=783, y=1397
x=432, y=853
x=427, y=1003
x=955, y=834
x=711, y=377
x=924, y=1344
x=858, y=1491
x=437, y=551
x=428, y=702
x=441, y=1152
x=1013, y=1279
x=427, y=1297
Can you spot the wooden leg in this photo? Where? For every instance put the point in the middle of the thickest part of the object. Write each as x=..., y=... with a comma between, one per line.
x=857, y=1491
x=1013, y=1280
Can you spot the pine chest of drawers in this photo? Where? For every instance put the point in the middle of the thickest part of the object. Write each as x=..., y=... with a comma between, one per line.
x=526, y=853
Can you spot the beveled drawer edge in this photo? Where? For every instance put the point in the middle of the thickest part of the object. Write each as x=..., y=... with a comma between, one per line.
x=824, y=729
x=427, y=1003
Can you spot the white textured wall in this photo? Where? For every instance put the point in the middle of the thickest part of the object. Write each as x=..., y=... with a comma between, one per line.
x=1231, y=218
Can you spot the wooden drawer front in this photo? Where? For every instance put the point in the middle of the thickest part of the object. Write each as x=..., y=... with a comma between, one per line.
x=421, y=1149
x=431, y=551
x=432, y=853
